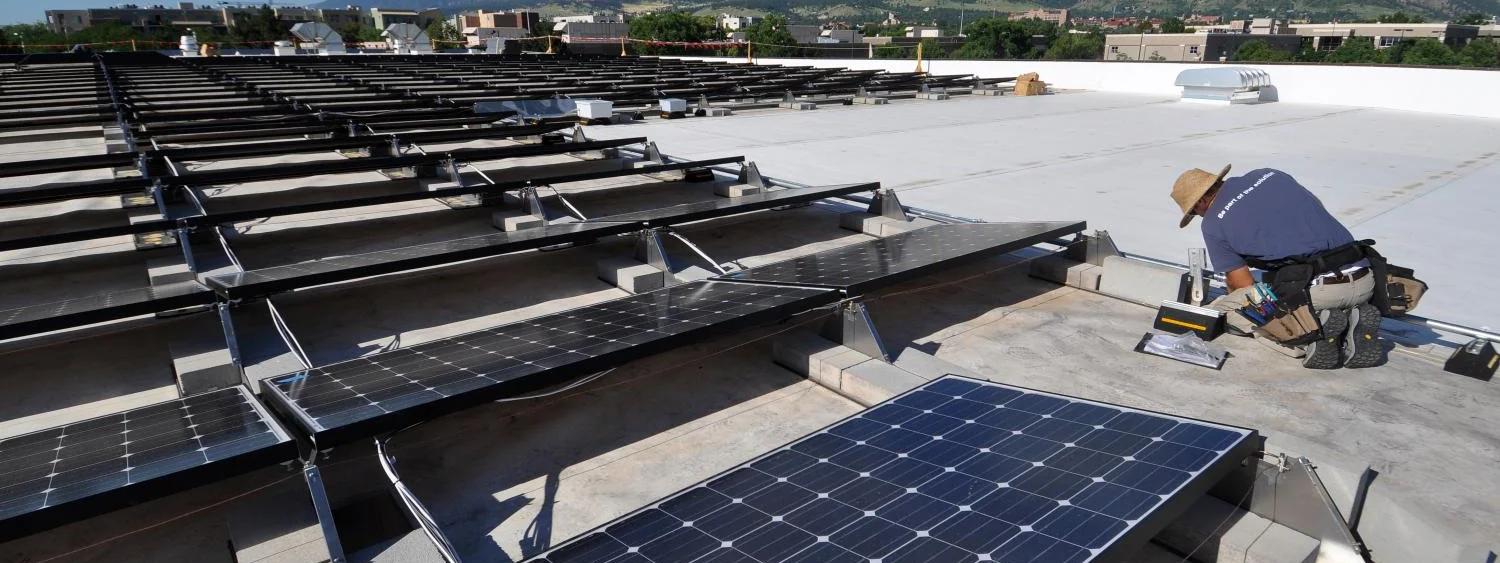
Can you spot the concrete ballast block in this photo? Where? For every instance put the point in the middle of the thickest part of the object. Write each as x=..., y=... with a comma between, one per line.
x=1060, y=269
x=511, y=223
x=871, y=100
x=735, y=190
x=871, y=382
x=1248, y=537
x=1141, y=282
x=862, y=222
x=630, y=274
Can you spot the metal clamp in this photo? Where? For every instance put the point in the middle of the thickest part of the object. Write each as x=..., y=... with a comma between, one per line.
x=852, y=326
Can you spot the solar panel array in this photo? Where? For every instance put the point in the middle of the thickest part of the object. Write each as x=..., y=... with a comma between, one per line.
x=363, y=396
x=79, y=469
x=957, y=470
x=855, y=267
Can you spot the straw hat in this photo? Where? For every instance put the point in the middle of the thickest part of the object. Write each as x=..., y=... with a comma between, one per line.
x=1191, y=186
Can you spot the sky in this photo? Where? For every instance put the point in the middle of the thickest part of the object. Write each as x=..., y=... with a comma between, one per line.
x=29, y=11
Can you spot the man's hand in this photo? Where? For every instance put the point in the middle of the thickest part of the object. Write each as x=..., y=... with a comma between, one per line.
x=1239, y=278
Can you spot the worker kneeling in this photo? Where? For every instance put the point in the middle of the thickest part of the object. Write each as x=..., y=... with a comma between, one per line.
x=1318, y=283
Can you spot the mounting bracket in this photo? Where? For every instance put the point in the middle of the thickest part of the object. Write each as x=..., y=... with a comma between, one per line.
x=750, y=176
x=650, y=249
x=852, y=326
x=885, y=204
x=1100, y=246
x=531, y=203
x=653, y=154
x=448, y=170
x=324, y=511
x=1196, y=263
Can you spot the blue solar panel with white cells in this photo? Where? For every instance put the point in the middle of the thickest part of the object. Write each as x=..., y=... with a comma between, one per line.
x=958, y=470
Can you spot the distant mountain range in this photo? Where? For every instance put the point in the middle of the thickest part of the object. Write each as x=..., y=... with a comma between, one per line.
x=927, y=11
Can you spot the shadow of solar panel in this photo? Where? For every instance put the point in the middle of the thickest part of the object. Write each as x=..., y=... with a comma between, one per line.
x=923, y=477
x=868, y=265
x=71, y=472
x=689, y=212
x=385, y=391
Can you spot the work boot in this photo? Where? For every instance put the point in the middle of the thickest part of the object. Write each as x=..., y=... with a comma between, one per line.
x=1326, y=352
x=1362, y=344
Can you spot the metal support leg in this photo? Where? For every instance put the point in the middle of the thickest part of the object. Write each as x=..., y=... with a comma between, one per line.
x=653, y=154
x=449, y=170
x=531, y=203
x=1101, y=246
x=578, y=136
x=750, y=176
x=649, y=249
x=1196, y=263
x=852, y=326
x=886, y=205
x=324, y=511
x=226, y=322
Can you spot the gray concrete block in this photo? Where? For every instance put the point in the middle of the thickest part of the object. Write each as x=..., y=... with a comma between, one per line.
x=934, y=96
x=717, y=112
x=829, y=369
x=278, y=525
x=1060, y=269
x=799, y=106
x=735, y=190
x=862, y=222
x=895, y=226
x=1141, y=282
x=1216, y=531
x=871, y=382
x=804, y=352
x=200, y=356
x=871, y=100
x=507, y=221
x=630, y=274
x=990, y=92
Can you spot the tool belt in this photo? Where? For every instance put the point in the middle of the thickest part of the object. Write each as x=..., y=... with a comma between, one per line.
x=1293, y=322
x=1289, y=278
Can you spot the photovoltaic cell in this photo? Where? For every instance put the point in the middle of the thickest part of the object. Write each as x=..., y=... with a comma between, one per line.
x=71, y=472
x=957, y=470
x=858, y=267
x=385, y=391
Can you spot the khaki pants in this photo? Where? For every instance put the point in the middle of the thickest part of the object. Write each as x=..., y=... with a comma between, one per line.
x=1324, y=296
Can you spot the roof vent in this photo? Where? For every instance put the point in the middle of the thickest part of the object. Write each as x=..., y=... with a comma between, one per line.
x=408, y=39
x=329, y=41
x=1226, y=85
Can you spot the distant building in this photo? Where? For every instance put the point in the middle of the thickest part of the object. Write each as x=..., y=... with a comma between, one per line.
x=923, y=31
x=346, y=17
x=593, y=38
x=841, y=36
x=1188, y=46
x=153, y=19
x=1491, y=30
x=805, y=33
x=1059, y=17
x=589, y=18
x=736, y=23
x=1328, y=36
x=386, y=17
x=517, y=19
x=476, y=36
x=891, y=19
x=1200, y=19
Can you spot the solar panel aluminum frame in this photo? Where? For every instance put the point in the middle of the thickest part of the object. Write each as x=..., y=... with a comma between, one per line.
x=102, y=314
x=1121, y=550
x=919, y=271
x=131, y=494
x=323, y=437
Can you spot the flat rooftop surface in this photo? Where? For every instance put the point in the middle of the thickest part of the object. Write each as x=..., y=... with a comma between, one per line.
x=1424, y=186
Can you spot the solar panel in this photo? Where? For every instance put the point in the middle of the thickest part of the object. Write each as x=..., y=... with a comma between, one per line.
x=858, y=267
x=385, y=391
x=328, y=270
x=71, y=472
x=100, y=307
x=720, y=207
x=956, y=470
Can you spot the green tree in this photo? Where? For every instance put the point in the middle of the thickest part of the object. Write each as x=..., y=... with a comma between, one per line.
x=1310, y=55
x=1401, y=17
x=1473, y=19
x=1145, y=27
x=1356, y=50
x=1258, y=51
x=1173, y=25
x=931, y=49
x=992, y=38
x=1483, y=53
x=443, y=34
x=674, y=27
x=1076, y=46
x=772, y=39
x=1429, y=52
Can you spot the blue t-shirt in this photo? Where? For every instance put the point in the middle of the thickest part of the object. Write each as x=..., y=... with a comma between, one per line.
x=1265, y=214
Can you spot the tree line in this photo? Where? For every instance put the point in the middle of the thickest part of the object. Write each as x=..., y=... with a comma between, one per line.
x=1478, y=53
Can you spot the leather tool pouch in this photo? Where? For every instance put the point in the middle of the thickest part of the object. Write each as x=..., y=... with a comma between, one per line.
x=1294, y=323
x=1403, y=290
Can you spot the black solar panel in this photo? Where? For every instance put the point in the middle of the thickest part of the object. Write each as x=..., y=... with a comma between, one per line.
x=858, y=267
x=100, y=307
x=54, y=476
x=385, y=391
x=340, y=268
x=958, y=470
x=720, y=207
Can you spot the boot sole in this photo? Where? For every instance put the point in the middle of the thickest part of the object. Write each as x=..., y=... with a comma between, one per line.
x=1362, y=345
x=1325, y=353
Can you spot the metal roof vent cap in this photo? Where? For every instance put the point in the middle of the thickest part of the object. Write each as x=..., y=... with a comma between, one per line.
x=329, y=41
x=1226, y=85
